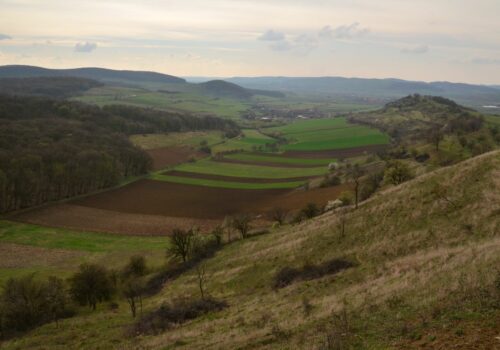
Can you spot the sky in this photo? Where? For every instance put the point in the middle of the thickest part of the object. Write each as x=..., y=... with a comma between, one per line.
x=428, y=40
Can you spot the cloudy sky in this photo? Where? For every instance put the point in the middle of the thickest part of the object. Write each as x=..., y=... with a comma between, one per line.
x=454, y=40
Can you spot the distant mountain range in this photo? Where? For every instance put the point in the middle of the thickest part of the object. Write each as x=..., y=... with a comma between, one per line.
x=379, y=90
x=376, y=88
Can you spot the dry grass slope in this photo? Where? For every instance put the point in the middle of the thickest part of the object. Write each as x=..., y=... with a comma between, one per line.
x=424, y=278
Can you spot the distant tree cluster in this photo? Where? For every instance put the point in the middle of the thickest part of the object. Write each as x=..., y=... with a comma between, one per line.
x=53, y=149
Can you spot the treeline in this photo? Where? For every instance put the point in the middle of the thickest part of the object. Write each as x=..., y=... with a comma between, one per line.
x=50, y=149
x=55, y=87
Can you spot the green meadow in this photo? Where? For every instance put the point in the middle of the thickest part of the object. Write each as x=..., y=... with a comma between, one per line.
x=210, y=167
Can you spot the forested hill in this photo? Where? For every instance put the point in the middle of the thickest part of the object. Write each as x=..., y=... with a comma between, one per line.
x=53, y=149
x=417, y=117
x=55, y=87
x=100, y=74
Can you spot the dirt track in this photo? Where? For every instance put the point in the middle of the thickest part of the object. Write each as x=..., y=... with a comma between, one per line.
x=232, y=178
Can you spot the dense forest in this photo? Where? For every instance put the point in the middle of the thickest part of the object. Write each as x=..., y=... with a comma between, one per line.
x=55, y=87
x=55, y=149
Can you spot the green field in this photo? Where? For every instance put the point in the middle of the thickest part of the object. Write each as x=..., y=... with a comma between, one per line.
x=493, y=119
x=228, y=184
x=44, y=245
x=191, y=139
x=210, y=167
x=275, y=158
x=328, y=134
x=251, y=140
x=187, y=100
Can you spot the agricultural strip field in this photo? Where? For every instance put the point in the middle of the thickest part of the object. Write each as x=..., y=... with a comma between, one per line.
x=79, y=217
x=275, y=159
x=337, y=153
x=210, y=167
x=190, y=138
x=149, y=197
x=29, y=248
x=170, y=156
x=328, y=134
x=184, y=101
x=228, y=184
x=251, y=140
x=231, y=178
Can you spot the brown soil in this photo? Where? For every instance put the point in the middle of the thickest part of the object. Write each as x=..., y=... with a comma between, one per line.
x=231, y=178
x=170, y=156
x=150, y=197
x=148, y=207
x=93, y=219
x=169, y=199
x=270, y=164
x=336, y=153
x=21, y=256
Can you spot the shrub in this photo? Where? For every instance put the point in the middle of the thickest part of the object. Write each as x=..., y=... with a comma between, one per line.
x=91, y=285
x=346, y=197
x=242, y=224
x=136, y=266
x=397, y=172
x=27, y=303
x=329, y=181
x=177, y=312
x=311, y=210
x=288, y=275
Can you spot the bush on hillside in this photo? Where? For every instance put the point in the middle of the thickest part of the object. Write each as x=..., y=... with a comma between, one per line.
x=288, y=275
x=177, y=312
x=26, y=303
x=91, y=285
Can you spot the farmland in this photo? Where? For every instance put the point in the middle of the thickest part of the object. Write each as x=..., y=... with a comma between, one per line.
x=240, y=170
x=328, y=134
x=187, y=100
x=56, y=251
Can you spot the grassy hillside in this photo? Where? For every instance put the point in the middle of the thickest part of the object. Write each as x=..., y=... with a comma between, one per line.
x=426, y=258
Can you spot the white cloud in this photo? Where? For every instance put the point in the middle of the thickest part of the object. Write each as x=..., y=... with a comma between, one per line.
x=272, y=35
x=350, y=31
x=85, y=47
x=416, y=50
x=4, y=37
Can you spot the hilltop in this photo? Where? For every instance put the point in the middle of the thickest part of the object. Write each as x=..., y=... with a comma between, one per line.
x=416, y=116
x=424, y=260
x=99, y=74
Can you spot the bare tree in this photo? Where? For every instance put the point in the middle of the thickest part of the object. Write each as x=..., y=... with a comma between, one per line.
x=181, y=242
x=341, y=223
x=202, y=277
x=242, y=224
x=355, y=173
x=278, y=214
x=132, y=291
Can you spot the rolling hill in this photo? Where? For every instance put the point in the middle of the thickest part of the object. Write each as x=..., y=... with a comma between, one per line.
x=99, y=74
x=381, y=89
x=420, y=271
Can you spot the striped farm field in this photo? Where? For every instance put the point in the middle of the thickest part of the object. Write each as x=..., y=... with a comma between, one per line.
x=263, y=158
x=328, y=134
x=210, y=167
x=250, y=140
x=227, y=184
